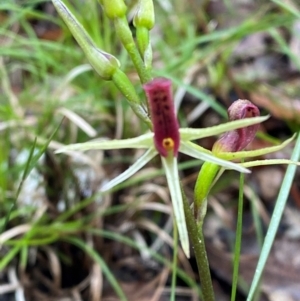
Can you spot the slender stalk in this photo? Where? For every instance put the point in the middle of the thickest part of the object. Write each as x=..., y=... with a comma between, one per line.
x=238, y=239
x=125, y=86
x=197, y=239
x=125, y=35
x=174, y=263
x=143, y=72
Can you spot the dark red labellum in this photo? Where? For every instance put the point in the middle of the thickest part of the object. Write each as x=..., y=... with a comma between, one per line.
x=164, y=120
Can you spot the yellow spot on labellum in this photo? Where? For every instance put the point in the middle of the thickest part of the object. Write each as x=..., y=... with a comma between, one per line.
x=168, y=144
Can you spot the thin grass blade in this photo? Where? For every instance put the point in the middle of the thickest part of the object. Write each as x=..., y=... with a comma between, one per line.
x=107, y=272
x=275, y=220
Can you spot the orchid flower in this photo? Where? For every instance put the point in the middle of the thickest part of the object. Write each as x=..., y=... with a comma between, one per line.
x=230, y=146
x=167, y=140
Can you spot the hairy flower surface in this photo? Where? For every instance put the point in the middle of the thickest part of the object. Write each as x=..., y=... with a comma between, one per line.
x=165, y=123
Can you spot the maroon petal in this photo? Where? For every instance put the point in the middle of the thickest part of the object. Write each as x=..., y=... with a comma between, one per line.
x=237, y=140
x=164, y=120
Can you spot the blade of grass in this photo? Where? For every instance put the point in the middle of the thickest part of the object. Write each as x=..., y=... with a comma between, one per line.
x=25, y=174
x=275, y=220
x=256, y=219
x=120, y=238
x=10, y=255
x=288, y=7
x=30, y=164
x=109, y=275
x=285, y=48
x=24, y=257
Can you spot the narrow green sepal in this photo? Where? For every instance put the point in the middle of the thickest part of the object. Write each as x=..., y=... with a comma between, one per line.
x=141, y=162
x=104, y=63
x=256, y=152
x=114, y=8
x=269, y=162
x=145, y=15
x=143, y=141
x=171, y=170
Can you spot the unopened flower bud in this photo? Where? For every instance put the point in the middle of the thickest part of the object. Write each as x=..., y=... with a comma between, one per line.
x=164, y=120
x=144, y=16
x=114, y=8
x=237, y=140
x=104, y=63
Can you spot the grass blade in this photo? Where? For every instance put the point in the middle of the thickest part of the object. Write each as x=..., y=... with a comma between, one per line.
x=238, y=239
x=30, y=164
x=91, y=252
x=275, y=220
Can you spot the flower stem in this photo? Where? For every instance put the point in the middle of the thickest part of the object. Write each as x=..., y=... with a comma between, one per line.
x=125, y=35
x=238, y=240
x=203, y=185
x=125, y=86
x=198, y=244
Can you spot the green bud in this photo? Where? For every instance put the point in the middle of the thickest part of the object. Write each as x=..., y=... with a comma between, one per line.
x=114, y=8
x=148, y=57
x=104, y=63
x=143, y=40
x=145, y=15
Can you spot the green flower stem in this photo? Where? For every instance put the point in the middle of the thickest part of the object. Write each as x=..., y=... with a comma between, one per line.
x=125, y=86
x=124, y=33
x=197, y=239
x=203, y=185
x=143, y=21
x=238, y=239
